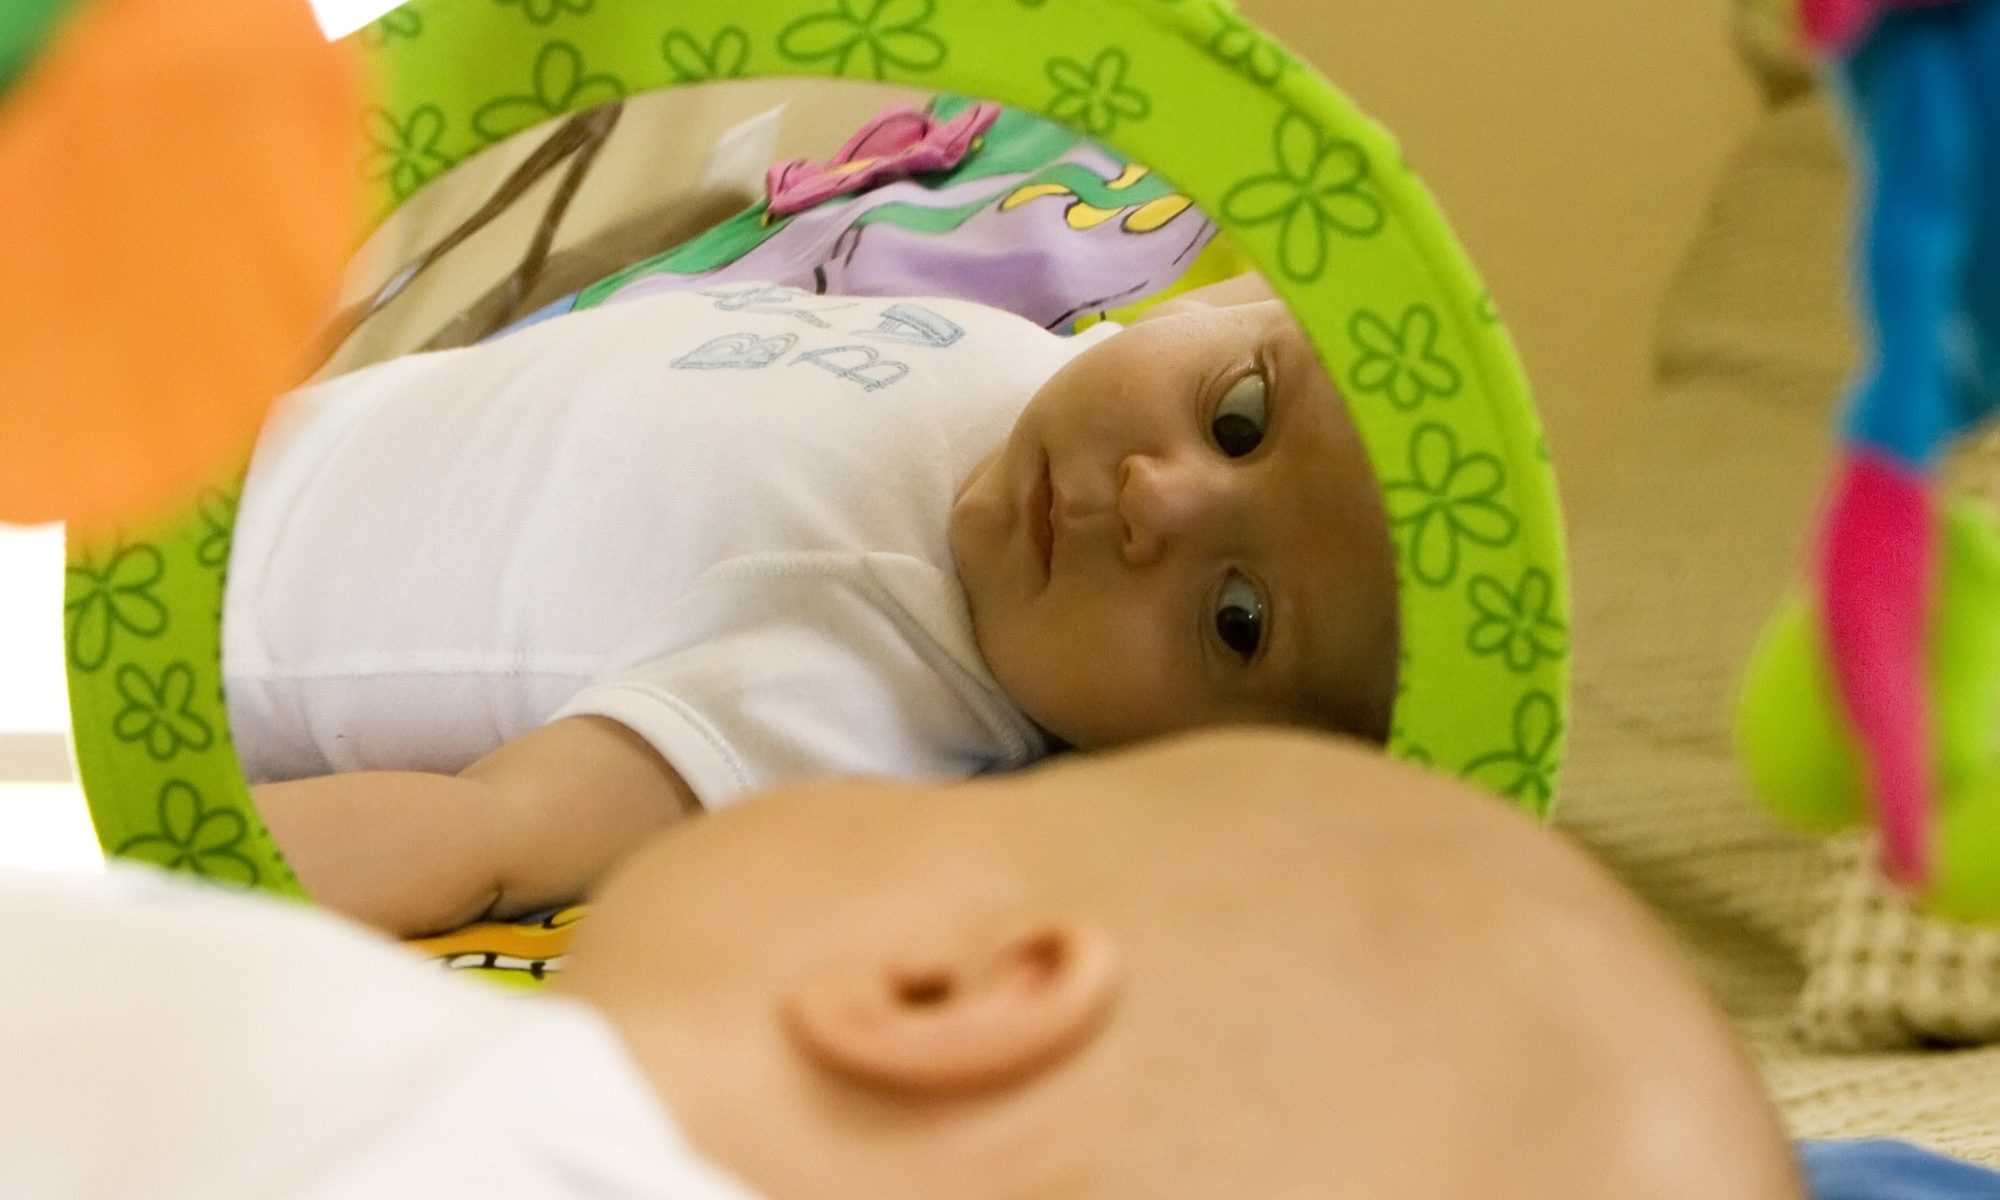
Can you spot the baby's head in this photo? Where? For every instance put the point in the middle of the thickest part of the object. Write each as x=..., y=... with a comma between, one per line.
x=1182, y=530
x=1232, y=964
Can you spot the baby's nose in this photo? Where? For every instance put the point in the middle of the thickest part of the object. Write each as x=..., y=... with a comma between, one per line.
x=1164, y=503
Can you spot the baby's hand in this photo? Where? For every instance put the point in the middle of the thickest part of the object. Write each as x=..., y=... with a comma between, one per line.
x=532, y=825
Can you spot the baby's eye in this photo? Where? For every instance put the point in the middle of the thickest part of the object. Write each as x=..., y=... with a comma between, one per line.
x=1239, y=616
x=1238, y=423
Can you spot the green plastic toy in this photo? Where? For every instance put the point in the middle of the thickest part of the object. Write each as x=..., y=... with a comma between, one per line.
x=1317, y=193
x=1801, y=755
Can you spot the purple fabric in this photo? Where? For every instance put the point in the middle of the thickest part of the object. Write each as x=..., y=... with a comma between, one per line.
x=1026, y=259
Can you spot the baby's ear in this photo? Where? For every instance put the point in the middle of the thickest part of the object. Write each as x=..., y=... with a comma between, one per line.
x=975, y=1013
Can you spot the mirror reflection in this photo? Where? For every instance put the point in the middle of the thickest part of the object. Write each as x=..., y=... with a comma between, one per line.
x=962, y=444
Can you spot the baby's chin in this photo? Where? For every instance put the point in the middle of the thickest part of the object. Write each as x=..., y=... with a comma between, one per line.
x=993, y=618
x=984, y=521
x=965, y=530
x=969, y=535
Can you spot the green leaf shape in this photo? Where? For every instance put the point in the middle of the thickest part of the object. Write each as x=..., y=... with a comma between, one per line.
x=1095, y=98
x=725, y=56
x=404, y=152
x=1401, y=361
x=543, y=12
x=867, y=37
x=194, y=838
x=1518, y=624
x=1319, y=189
x=1242, y=46
x=561, y=84
x=1446, y=499
x=113, y=599
x=159, y=714
x=217, y=512
x=1526, y=769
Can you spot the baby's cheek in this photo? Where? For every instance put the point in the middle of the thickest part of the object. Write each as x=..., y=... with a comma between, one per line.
x=1051, y=668
x=1128, y=662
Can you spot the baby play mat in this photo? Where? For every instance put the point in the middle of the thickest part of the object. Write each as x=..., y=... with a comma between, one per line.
x=1310, y=189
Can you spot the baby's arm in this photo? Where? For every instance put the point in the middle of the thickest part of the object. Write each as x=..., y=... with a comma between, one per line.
x=534, y=824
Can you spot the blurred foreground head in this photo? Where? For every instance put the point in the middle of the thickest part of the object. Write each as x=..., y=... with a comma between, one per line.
x=1235, y=964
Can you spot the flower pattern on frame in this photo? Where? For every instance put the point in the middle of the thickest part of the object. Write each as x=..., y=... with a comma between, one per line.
x=113, y=598
x=1401, y=360
x=160, y=715
x=725, y=56
x=1095, y=98
x=194, y=838
x=1319, y=189
x=1239, y=44
x=217, y=510
x=561, y=84
x=398, y=23
x=1525, y=770
x=867, y=37
x=405, y=153
x=1520, y=625
x=542, y=12
x=1446, y=500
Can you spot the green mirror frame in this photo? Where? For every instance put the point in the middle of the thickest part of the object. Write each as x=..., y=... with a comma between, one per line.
x=1315, y=192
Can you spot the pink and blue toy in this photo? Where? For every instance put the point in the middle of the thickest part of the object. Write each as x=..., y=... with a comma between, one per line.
x=1921, y=81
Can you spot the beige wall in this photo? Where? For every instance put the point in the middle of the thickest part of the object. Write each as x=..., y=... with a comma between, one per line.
x=1573, y=144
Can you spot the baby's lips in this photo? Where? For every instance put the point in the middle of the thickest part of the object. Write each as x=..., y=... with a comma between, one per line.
x=1042, y=520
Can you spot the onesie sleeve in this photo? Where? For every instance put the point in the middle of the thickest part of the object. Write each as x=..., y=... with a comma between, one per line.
x=781, y=667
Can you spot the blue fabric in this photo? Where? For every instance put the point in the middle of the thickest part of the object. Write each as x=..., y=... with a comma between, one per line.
x=1924, y=94
x=1885, y=1170
x=548, y=311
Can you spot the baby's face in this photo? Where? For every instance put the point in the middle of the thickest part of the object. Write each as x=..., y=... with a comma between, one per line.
x=1182, y=530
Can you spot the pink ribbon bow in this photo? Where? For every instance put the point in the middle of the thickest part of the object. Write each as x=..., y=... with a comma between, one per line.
x=895, y=144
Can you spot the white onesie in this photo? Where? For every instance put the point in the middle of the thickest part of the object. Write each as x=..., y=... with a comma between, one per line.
x=162, y=1040
x=717, y=517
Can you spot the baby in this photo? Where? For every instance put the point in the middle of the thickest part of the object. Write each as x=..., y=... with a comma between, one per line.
x=494, y=615
x=1236, y=964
